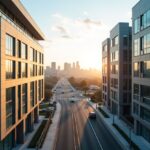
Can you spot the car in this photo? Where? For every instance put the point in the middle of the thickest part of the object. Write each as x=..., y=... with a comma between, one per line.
x=72, y=101
x=92, y=115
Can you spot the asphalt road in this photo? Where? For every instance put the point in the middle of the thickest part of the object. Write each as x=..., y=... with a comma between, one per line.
x=76, y=131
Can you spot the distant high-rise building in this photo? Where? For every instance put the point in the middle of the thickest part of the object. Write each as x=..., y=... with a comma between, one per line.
x=67, y=66
x=77, y=65
x=120, y=70
x=21, y=73
x=58, y=68
x=73, y=66
x=53, y=65
x=141, y=68
x=106, y=72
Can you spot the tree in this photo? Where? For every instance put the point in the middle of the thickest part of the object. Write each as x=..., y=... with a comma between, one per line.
x=83, y=86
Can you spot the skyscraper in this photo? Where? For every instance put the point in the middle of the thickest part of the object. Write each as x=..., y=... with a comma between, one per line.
x=53, y=65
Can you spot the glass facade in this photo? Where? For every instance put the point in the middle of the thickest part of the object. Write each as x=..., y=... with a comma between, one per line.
x=146, y=69
x=10, y=45
x=10, y=69
x=24, y=98
x=136, y=47
x=115, y=41
x=145, y=94
x=24, y=70
x=32, y=94
x=145, y=114
x=136, y=69
x=23, y=51
x=10, y=106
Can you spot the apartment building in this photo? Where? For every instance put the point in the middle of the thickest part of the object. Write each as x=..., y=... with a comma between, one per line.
x=106, y=72
x=21, y=73
x=120, y=70
x=141, y=68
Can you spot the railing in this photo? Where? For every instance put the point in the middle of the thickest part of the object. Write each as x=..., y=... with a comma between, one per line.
x=19, y=28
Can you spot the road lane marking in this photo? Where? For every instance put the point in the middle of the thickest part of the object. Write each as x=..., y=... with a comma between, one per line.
x=78, y=139
x=73, y=133
x=100, y=145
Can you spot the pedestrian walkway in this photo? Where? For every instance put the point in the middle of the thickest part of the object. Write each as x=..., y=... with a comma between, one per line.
x=51, y=136
x=138, y=140
x=29, y=136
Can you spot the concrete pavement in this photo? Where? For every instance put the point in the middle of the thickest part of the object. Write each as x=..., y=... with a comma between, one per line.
x=51, y=136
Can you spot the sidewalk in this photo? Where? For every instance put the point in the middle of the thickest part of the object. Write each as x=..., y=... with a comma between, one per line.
x=138, y=140
x=29, y=136
x=50, y=139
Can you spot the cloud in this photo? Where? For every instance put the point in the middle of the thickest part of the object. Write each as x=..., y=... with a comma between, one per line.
x=66, y=37
x=80, y=28
x=88, y=21
x=59, y=29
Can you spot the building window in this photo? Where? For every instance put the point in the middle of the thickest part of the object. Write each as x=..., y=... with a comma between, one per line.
x=147, y=44
x=115, y=41
x=19, y=48
x=19, y=101
x=40, y=90
x=136, y=47
x=136, y=25
x=125, y=41
x=32, y=94
x=31, y=70
x=105, y=48
x=145, y=114
x=146, y=69
x=145, y=132
x=145, y=94
x=136, y=108
x=23, y=51
x=114, y=56
x=10, y=69
x=31, y=54
x=19, y=69
x=24, y=70
x=114, y=69
x=136, y=67
x=24, y=98
x=10, y=106
x=10, y=45
x=136, y=92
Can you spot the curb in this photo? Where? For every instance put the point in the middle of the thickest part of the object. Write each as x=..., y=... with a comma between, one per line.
x=51, y=137
x=112, y=133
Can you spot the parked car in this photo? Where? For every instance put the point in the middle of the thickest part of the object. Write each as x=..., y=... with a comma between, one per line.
x=92, y=115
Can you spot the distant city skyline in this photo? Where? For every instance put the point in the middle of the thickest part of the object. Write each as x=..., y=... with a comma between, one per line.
x=75, y=29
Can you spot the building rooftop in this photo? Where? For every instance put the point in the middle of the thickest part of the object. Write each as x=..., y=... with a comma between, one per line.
x=16, y=8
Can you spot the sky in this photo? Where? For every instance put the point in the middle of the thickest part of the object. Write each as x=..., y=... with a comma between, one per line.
x=75, y=29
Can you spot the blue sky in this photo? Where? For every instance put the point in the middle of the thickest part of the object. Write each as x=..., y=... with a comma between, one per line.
x=74, y=29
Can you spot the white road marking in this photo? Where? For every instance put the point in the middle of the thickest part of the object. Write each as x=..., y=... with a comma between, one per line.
x=100, y=145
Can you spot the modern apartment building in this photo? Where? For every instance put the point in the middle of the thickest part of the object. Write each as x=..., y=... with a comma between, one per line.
x=141, y=68
x=106, y=72
x=21, y=73
x=120, y=70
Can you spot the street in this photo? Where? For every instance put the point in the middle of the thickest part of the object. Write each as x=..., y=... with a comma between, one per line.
x=76, y=131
